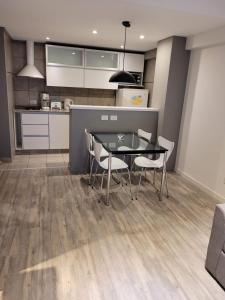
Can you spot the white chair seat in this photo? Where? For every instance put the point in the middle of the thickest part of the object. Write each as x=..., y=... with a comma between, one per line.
x=104, y=153
x=144, y=162
x=116, y=164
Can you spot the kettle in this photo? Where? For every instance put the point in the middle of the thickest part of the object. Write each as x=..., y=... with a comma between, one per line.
x=67, y=103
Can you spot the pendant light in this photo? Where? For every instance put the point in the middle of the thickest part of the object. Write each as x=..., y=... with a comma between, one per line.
x=123, y=77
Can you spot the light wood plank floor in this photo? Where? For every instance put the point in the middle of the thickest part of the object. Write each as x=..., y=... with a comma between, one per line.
x=58, y=242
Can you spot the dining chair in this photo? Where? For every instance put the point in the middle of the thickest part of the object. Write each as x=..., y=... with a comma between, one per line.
x=116, y=163
x=143, y=134
x=147, y=163
x=89, y=144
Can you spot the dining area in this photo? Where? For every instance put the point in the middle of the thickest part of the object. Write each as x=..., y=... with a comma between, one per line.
x=120, y=147
x=124, y=157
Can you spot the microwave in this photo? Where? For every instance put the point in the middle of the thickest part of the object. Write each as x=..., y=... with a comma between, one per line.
x=138, y=77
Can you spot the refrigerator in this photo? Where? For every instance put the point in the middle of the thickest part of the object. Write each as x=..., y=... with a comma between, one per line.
x=132, y=97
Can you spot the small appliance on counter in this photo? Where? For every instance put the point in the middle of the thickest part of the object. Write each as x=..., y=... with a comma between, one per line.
x=56, y=105
x=132, y=97
x=67, y=103
x=45, y=101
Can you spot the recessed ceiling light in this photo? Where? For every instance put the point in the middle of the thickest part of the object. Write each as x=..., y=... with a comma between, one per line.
x=73, y=53
x=121, y=46
x=94, y=31
x=141, y=37
x=102, y=56
x=47, y=38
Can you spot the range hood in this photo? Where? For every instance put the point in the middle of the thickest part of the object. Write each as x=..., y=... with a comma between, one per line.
x=30, y=70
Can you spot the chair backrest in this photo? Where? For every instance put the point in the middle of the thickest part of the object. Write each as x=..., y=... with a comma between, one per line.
x=97, y=150
x=167, y=145
x=89, y=139
x=146, y=135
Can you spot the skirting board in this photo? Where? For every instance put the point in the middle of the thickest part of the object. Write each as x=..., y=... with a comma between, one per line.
x=5, y=159
x=200, y=185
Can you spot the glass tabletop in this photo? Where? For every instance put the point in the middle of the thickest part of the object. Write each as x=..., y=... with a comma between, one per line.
x=126, y=143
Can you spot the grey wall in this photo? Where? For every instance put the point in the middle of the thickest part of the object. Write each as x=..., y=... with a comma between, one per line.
x=91, y=119
x=149, y=72
x=172, y=63
x=27, y=90
x=6, y=98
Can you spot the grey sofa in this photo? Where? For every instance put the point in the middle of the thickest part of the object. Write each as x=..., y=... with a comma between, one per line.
x=215, y=260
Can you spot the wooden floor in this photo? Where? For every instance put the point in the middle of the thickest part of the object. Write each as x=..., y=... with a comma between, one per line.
x=58, y=242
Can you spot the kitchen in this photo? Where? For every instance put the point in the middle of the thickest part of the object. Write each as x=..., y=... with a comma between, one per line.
x=67, y=80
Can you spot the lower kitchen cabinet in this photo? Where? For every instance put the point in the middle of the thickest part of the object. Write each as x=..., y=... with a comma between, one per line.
x=59, y=131
x=43, y=131
x=35, y=142
x=33, y=130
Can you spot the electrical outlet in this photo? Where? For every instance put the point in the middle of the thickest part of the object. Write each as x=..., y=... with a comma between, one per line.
x=104, y=117
x=33, y=102
x=113, y=117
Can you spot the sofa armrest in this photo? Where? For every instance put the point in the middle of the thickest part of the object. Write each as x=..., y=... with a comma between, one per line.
x=217, y=239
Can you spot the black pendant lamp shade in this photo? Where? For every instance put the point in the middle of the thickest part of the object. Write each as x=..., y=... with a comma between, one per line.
x=123, y=77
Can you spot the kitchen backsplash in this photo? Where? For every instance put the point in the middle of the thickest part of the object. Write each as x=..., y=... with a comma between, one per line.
x=27, y=90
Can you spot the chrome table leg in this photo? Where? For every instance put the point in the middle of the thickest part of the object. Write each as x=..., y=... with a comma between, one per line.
x=130, y=183
x=139, y=183
x=108, y=179
x=167, y=191
x=154, y=177
x=163, y=177
x=91, y=169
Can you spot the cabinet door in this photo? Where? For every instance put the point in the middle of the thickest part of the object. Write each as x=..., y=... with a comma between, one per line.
x=99, y=59
x=133, y=62
x=34, y=118
x=35, y=142
x=99, y=79
x=64, y=56
x=34, y=130
x=59, y=131
x=64, y=76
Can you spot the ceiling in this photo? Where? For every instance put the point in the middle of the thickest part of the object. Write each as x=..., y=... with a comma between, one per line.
x=72, y=21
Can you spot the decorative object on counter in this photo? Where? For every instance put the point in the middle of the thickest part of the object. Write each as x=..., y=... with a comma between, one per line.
x=121, y=136
x=45, y=101
x=67, y=103
x=56, y=105
x=30, y=70
x=123, y=77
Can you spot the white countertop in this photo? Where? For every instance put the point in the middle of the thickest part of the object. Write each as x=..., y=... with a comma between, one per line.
x=90, y=107
x=41, y=111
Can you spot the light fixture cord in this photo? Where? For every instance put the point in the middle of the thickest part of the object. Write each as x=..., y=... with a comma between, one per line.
x=124, y=46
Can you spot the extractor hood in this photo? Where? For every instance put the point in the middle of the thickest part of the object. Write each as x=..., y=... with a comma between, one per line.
x=30, y=70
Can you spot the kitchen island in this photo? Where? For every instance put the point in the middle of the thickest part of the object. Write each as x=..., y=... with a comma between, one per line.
x=104, y=118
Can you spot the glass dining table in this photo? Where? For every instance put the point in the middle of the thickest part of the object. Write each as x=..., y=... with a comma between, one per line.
x=128, y=143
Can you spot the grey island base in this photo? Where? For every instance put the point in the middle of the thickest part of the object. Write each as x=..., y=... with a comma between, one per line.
x=103, y=118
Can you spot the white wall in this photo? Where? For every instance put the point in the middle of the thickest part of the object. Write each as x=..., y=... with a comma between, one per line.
x=201, y=152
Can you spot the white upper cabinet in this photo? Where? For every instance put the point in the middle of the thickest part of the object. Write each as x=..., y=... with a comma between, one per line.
x=89, y=68
x=64, y=66
x=133, y=62
x=64, y=56
x=99, y=79
x=64, y=76
x=99, y=59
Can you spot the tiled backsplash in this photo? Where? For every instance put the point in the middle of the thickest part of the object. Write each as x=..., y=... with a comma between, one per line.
x=27, y=90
